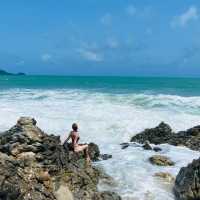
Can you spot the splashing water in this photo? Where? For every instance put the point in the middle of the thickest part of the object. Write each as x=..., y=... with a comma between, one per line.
x=109, y=119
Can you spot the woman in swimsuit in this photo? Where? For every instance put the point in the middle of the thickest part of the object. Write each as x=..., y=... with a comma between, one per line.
x=74, y=136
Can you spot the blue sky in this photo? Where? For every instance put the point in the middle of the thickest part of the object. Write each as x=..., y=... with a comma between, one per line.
x=101, y=37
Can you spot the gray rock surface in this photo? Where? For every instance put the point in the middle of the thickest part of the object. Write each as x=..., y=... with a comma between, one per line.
x=164, y=134
x=35, y=166
x=187, y=183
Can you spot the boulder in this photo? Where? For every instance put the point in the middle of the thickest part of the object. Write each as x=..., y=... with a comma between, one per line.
x=161, y=160
x=187, y=183
x=158, y=135
x=94, y=151
x=34, y=165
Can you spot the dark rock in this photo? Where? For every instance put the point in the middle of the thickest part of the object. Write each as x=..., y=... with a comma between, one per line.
x=163, y=134
x=187, y=183
x=147, y=146
x=94, y=151
x=158, y=135
x=195, y=131
x=34, y=165
x=157, y=149
x=124, y=145
x=161, y=160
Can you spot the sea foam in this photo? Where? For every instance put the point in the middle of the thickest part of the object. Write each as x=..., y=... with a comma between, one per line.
x=109, y=119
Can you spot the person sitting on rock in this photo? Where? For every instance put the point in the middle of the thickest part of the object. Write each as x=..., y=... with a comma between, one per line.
x=76, y=147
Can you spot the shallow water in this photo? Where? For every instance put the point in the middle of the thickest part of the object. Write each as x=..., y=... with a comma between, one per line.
x=108, y=119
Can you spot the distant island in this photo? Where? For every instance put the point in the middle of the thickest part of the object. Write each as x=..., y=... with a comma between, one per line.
x=3, y=72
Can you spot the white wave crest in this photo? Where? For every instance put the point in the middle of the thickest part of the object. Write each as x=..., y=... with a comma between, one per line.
x=109, y=119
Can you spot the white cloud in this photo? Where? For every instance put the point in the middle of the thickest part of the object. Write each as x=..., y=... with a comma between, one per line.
x=131, y=10
x=90, y=55
x=189, y=15
x=106, y=19
x=46, y=57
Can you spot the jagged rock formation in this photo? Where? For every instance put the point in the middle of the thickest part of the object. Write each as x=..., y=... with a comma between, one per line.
x=164, y=134
x=187, y=184
x=158, y=135
x=35, y=166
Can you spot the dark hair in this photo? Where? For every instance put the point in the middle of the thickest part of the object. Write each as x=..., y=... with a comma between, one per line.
x=74, y=126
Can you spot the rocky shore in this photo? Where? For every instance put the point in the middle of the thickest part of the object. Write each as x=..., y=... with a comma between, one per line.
x=35, y=166
x=187, y=182
x=163, y=134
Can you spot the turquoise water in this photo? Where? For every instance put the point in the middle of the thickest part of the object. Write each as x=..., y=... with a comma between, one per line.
x=109, y=111
x=174, y=86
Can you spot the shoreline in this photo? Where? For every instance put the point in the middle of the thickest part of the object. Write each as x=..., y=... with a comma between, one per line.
x=109, y=120
x=161, y=176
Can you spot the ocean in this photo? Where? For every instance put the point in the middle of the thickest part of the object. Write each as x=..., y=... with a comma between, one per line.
x=109, y=110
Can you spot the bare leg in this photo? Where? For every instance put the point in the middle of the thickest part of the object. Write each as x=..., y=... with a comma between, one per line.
x=85, y=149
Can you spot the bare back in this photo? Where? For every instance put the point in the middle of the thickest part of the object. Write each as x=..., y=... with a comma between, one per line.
x=74, y=135
x=75, y=138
